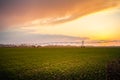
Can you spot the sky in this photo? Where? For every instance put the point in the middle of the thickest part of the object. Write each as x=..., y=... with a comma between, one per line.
x=39, y=21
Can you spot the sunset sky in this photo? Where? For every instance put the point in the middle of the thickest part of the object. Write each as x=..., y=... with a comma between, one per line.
x=37, y=21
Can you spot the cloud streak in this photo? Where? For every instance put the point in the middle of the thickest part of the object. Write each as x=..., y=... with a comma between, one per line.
x=19, y=37
x=14, y=12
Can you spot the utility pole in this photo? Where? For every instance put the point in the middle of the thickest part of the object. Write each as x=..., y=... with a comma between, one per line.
x=82, y=44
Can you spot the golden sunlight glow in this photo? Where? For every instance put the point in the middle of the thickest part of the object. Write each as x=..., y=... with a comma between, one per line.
x=100, y=25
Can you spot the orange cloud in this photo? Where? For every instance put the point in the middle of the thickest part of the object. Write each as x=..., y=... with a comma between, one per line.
x=15, y=12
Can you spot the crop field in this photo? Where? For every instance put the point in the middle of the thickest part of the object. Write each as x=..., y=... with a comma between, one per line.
x=55, y=63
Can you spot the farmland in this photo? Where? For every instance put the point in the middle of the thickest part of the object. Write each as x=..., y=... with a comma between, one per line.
x=55, y=63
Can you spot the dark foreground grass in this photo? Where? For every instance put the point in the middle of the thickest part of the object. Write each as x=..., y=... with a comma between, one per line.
x=55, y=63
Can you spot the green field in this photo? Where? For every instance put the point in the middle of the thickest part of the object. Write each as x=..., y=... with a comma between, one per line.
x=55, y=63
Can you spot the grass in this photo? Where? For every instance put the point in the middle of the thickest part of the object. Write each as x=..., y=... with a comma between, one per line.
x=55, y=63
